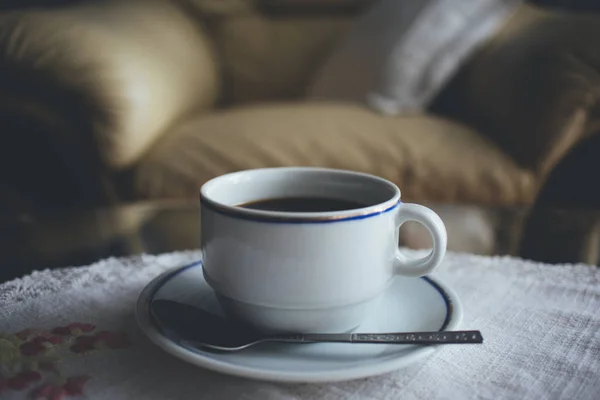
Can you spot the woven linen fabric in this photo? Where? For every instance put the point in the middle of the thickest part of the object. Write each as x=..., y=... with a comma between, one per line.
x=541, y=325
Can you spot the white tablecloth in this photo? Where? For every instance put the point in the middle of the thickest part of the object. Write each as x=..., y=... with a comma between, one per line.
x=541, y=325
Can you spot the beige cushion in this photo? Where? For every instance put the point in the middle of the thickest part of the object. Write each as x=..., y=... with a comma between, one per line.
x=429, y=158
x=220, y=8
x=266, y=58
x=128, y=69
x=314, y=5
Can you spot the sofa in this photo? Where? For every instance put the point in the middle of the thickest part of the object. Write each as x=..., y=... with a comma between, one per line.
x=110, y=101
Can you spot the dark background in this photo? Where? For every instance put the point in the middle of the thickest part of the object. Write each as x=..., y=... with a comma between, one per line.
x=574, y=5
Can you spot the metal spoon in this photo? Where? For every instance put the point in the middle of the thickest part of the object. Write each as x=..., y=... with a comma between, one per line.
x=199, y=328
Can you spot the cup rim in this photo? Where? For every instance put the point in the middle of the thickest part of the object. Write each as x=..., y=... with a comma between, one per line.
x=299, y=217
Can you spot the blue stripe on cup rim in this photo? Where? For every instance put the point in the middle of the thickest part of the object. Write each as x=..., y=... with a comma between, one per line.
x=293, y=218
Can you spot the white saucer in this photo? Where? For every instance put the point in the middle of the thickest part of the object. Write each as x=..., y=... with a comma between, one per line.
x=409, y=305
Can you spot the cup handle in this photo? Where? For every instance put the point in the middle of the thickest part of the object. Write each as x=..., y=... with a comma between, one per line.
x=437, y=230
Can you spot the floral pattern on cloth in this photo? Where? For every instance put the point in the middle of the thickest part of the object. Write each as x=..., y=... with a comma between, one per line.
x=29, y=359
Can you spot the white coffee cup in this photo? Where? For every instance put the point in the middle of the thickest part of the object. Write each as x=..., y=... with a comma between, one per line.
x=284, y=271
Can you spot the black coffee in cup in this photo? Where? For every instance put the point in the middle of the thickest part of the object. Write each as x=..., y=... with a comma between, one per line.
x=303, y=204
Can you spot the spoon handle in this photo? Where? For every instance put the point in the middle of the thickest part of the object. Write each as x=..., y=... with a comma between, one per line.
x=450, y=337
x=444, y=337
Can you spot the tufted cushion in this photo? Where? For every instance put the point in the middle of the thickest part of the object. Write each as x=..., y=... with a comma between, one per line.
x=429, y=158
x=127, y=69
x=220, y=8
x=336, y=6
x=266, y=59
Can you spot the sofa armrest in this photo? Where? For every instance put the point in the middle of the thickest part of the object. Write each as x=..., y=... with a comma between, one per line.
x=534, y=88
x=115, y=74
